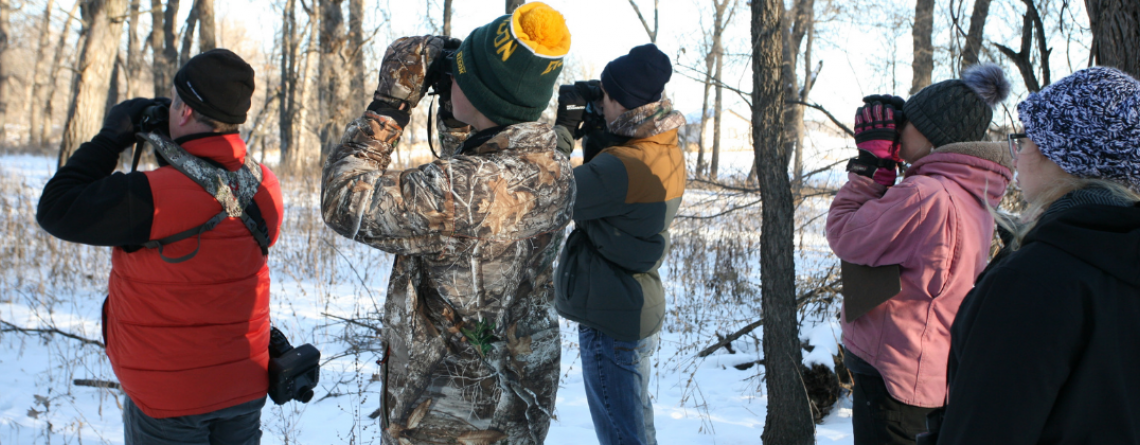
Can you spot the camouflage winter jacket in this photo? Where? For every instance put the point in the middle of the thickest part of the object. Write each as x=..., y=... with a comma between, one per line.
x=469, y=324
x=628, y=195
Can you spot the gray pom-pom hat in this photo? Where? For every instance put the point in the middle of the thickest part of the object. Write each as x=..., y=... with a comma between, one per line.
x=958, y=110
x=1088, y=123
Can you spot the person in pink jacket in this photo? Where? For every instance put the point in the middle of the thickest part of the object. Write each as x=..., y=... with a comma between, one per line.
x=934, y=225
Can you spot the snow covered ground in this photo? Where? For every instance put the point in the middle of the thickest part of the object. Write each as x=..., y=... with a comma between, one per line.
x=319, y=279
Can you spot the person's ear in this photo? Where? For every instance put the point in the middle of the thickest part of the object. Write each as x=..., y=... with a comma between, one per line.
x=182, y=115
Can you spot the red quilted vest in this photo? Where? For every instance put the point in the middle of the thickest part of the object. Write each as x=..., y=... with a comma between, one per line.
x=192, y=338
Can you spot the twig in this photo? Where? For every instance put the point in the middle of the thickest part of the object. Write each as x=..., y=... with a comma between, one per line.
x=350, y=321
x=752, y=326
x=9, y=327
x=96, y=383
x=828, y=113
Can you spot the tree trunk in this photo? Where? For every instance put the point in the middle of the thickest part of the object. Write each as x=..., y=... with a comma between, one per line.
x=801, y=17
x=5, y=69
x=357, y=92
x=923, y=33
x=158, y=61
x=288, y=78
x=720, y=22
x=206, y=26
x=114, y=88
x=170, y=50
x=34, y=104
x=53, y=75
x=709, y=61
x=1115, y=27
x=977, y=31
x=134, y=53
x=789, y=417
x=104, y=28
x=447, y=17
x=512, y=4
x=333, y=90
x=188, y=36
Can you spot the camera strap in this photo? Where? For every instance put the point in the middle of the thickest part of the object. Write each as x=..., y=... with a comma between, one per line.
x=233, y=190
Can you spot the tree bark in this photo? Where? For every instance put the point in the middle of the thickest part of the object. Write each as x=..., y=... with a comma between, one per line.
x=5, y=68
x=977, y=30
x=710, y=60
x=170, y=42
x=158, y=60
x=104, y=28
x=134, y=53
x=114, y=87
x=207, y=29
x=34, y=104
x=923, y=34
x=801, y=16
x=447, y=17
x=357, y=91
x=789, y=418
x=53, y=74
x=288, y=78
x=187, y=37
x=512, y=4
x=1115, y=27
x=333, y=90
x=720, y=23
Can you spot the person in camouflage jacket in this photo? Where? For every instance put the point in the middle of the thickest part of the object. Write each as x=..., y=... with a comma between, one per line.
x=470, y=332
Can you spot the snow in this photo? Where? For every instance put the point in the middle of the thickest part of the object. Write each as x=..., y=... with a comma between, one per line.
x=315, y=272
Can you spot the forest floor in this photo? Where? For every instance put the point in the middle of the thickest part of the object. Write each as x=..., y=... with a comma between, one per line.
x=321, y=279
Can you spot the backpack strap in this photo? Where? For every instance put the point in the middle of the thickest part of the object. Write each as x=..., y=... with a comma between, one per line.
x=233, y=190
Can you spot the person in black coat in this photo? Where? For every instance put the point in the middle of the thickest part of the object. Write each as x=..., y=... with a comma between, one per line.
x=1046, y=348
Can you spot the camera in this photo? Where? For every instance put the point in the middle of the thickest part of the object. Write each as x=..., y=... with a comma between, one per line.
x=155, y=119
x=293, y=372
x=593, y=119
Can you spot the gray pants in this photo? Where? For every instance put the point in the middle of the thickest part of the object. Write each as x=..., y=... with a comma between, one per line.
x=236, y=425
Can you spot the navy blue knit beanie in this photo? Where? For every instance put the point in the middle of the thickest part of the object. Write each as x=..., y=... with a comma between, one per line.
x=637, y=78
x=218, y=84
x=1088, y=124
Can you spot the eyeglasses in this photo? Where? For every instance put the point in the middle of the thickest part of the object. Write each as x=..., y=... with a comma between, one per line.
x=1015, y=143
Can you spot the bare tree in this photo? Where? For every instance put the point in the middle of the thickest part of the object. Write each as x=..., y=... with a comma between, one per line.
x=789, y=418
x=512, y=4
x=356, y=49
x=290, y=43
x=34, y=103
x=5, y=66
x=134, y=53
x=447, y=17
x=334, y=75
x=1116, y=33
x=53, y=75
x=720, y=23
x=103, y=21
x=206, y=27
x=1023, y=59
x=188, y=36
x=170, y=42
x=977, y=31
x=651, y=32
x=802, y=18
x=923, y=33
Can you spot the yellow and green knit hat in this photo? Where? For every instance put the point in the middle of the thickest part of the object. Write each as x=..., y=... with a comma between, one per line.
x=507, y=68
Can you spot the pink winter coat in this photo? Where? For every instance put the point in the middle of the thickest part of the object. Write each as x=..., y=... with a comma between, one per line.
x=935, y=226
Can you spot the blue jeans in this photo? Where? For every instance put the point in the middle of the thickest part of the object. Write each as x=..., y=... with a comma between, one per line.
x=236, y=425
x=616, y=374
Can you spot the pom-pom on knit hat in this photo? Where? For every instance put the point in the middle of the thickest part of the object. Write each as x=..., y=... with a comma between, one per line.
x=217, y=83
x=1088, y=124
x=639, y=77
x=508, y=68
x=958, y=110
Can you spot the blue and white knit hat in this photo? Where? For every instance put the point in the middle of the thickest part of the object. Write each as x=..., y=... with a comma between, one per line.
x=1089, y=124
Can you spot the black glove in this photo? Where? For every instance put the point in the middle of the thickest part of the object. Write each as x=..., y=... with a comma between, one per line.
x=120, y=123
x=571, y=109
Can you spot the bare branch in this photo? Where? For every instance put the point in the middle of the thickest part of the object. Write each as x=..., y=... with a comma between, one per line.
x=828, y=113
x=9, y=327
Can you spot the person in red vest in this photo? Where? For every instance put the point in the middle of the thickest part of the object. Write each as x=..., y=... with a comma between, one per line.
x=188, y=337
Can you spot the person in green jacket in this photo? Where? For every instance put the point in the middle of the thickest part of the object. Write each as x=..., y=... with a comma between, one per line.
x=607, y=277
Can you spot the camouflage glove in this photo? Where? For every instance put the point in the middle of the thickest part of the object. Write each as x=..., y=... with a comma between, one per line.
x=402, y=75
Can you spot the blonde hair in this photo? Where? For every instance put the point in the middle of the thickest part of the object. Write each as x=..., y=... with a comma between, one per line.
x=1020, y=226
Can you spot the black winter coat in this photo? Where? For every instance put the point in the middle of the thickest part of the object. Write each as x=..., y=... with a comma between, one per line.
x=1046, y=348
